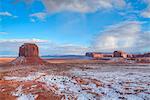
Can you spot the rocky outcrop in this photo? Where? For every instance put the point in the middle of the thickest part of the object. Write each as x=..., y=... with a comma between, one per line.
x=97, y=56
x=120, y=54
x=28, y=55
x=94, y=55
x=138, y=55
x=29, y=50
x=88, y=54
x=129, y=55
x=108, y=55
x=147, y=54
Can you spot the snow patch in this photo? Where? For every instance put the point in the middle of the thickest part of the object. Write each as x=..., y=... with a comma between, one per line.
x=21, y=95
x=115, y=85
x=26, y=97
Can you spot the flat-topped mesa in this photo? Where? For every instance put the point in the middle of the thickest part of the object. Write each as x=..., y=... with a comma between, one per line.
x=120, y=54
x=29, y=50
x=28, y=55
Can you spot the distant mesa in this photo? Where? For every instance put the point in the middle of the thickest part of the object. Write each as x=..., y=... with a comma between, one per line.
x=147, y=54
x=28, y=55
x=117, y=54
x=141, y=58
x=98, y=55
x=120, y=54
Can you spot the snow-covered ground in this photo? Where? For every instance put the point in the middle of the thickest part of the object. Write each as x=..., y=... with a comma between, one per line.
x=91, y=84
x=120, y=85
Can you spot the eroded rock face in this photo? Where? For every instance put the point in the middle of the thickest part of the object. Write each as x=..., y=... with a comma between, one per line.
x=147, y=54
x=28, y=50
x=28, y=55
x=97, y=56
x=94, y=55
x=120, y=54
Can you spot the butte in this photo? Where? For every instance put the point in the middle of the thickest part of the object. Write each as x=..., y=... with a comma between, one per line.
x=28, y=55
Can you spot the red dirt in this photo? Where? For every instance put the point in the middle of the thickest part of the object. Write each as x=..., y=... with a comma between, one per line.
x=36, y=88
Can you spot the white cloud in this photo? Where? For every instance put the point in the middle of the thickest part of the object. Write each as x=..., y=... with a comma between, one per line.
x=5, y=14
x=11, y=46
x=46, y=47
x=3, y=33
x=51, y=48
x=143, y=42
x=146, y=12
x=40, y=15
x=22, y=40
x=82, y=6
x=123, y=36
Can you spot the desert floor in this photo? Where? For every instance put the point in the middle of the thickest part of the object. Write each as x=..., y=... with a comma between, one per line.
x=75, y=80
x=5, y=60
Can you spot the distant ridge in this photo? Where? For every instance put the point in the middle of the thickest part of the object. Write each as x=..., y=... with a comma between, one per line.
x=65, y=57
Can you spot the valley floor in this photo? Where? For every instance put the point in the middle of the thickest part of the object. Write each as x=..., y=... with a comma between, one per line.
x=76, y=82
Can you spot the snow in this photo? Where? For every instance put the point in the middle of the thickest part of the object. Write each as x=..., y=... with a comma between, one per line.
x=21, y=95
x=85, y=97
x=118, y=81
x=117, y=85
x=26, y=97
x=30, y=77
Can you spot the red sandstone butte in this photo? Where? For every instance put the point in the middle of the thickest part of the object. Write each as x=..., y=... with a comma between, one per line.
x=120, y=54
x=97, y=56
x=94, y=55
x=147, y=54
x=28, y=54
x=29, y=50
x=129, y=55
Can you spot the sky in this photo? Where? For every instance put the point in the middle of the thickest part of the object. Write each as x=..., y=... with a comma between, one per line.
x=62, y=27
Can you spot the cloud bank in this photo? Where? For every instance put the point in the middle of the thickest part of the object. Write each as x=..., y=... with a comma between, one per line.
x=40, y=16
x=12, y=45
x=7, y=14
x=126, y=36
x=82, y=6
x=87, y=6
x=146, y=12
x=46, y=47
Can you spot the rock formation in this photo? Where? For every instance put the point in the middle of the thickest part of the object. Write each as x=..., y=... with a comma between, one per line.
x=99, y=54
x=147, y=54
x=28, y=55
x=95, y=55
x=29, y=50
x=120, y=54
x=108, y=55
x=129, y=56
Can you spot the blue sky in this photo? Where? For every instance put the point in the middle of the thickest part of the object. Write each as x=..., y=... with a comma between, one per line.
x=75, y=26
